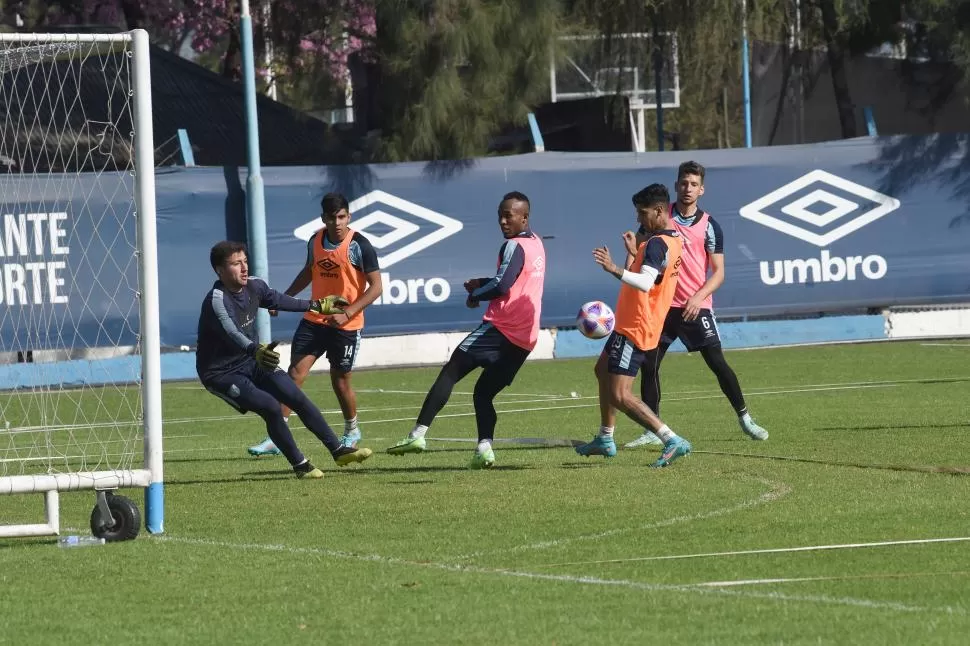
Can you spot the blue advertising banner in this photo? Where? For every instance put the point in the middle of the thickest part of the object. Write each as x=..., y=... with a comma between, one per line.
x=828, y=227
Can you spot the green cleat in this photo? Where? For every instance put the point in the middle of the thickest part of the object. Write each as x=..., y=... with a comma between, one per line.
x=408, y=445
x=348, y=455
x=308, y=472
x=482, y=460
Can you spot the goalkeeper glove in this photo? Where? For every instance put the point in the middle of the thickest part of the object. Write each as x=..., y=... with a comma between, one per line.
x=267, y=357
x=332, y=304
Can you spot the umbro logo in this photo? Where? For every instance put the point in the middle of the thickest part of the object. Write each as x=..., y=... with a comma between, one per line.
x=327, y=265
x=397, y=228
x=819, y=208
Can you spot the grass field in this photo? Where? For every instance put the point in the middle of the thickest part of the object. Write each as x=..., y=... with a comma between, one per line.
x=868, y=445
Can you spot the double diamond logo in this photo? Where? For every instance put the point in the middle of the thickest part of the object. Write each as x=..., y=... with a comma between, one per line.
x=860, y=204
x=398, y=229
x=327, y=264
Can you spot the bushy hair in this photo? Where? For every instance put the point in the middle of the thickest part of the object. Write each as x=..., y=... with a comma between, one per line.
x=691, y=168
x=651, y=195
x=332, y=203
x=222, y=250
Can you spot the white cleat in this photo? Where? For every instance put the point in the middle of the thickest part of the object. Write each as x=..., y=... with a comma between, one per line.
x=647, y=439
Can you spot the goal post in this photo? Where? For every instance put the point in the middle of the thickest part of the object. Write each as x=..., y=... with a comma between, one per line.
x=79, y=277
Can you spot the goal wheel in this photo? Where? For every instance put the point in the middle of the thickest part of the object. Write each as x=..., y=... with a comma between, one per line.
x=125, y=521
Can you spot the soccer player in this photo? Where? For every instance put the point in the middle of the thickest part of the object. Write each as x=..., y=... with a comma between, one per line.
x=341, y=265
x=235, y=367
x=501, y=344
x=691, y=318
x=645, y=294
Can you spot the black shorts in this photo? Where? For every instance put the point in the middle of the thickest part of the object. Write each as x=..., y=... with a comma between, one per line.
x=488, y=348
x=623, y=357
x=340, y=346
x=696, y=334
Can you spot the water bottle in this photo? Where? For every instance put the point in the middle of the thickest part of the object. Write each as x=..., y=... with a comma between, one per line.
x=79, y=541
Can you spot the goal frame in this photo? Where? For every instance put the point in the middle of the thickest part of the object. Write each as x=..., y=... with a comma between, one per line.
x=150, y=476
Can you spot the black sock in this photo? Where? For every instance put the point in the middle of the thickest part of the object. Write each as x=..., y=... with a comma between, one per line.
x=306, y=467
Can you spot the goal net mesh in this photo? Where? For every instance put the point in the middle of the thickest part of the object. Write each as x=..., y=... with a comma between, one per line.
x=70, y=395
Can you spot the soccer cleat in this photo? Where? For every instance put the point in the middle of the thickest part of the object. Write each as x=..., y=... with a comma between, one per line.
x=647, y=439
x=675, y=448
x=348, y=455
x=351, y=439
x=751, y=429
x=601, y=445
x=482, y=460
x=408, y=445
x=308, y=471
x=266, y=447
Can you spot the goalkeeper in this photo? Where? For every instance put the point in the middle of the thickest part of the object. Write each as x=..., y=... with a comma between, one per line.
x=235, y=367
x=341, y=269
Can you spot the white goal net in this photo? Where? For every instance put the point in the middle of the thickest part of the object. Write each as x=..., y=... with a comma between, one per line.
x=79, y=347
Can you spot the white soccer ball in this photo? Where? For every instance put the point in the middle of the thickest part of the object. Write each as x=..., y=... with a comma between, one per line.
x=595, y=320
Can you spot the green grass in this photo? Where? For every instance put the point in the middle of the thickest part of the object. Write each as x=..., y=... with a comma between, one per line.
x=419, y=550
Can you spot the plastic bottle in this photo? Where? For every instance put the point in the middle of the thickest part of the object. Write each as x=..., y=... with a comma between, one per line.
x=79, y=541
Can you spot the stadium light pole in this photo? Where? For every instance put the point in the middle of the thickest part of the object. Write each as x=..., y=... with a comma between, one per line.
x=745, y=73
x=255, y=202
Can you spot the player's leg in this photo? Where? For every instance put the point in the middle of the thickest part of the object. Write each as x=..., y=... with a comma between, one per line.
x=728, y=380
x=243, y=394
x=494, y=378
x=617, y=355
x=342, y=352
x=633, y=407
x=650, y=392
x=701, y=334
x=463, y=360
x=304, y=351
x=279, y=384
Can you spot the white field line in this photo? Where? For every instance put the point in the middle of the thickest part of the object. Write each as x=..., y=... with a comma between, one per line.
x=778, y=490
x=947, y=345
x=776, y=550
x=558, y=578
x=810, y=388
x=803, y=579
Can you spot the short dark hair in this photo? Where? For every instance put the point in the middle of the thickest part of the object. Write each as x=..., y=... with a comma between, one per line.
x=518, y=197
x=222, y=250
x=651, y=195
x=691, y=168
x=333, y=203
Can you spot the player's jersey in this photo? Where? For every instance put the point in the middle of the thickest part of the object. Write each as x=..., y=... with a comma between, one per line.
x=515, y=310
x=640, y=315
x=340, y=269
x=227, y=326
x=702, y=236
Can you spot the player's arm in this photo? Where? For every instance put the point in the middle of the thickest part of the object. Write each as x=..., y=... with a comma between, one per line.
x=271, y=299
x=714, y=247
x=511, y=262
x=303, y=279
x=654, y=262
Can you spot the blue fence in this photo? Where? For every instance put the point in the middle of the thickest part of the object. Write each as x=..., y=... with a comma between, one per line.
x=845, y=225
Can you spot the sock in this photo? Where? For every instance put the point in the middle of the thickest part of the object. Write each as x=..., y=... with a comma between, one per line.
x=419, y=431
x=350, y=425
x=483, y=446
x=665, y=434
x=286, y=419
x=606, y=431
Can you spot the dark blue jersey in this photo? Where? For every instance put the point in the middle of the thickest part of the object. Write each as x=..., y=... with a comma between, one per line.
x=227, y=326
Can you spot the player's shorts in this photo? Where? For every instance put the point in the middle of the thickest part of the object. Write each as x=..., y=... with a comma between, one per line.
x=340, y=346
x=696, y=334
x=256, y=390
x=486, y=347
x=623, y=357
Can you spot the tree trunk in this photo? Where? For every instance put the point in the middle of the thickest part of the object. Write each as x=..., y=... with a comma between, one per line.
x=133, y=13
x=837, y=56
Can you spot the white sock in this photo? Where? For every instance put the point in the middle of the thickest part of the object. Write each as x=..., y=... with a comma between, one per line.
x=286, y=419
x=483, y=446
x=606, y=431
x=350, y=425
x=419, y=431
x=665, y=434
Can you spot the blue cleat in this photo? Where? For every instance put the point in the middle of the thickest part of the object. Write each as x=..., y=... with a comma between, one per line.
x=351, y=439
x=266, y=447
x=601, y=445
x=675, y=448
x=751, y=429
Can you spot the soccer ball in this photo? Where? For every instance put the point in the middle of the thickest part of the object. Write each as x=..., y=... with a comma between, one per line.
x=595, y=320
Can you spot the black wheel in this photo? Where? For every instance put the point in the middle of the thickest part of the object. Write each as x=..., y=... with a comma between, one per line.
x=125, y=520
